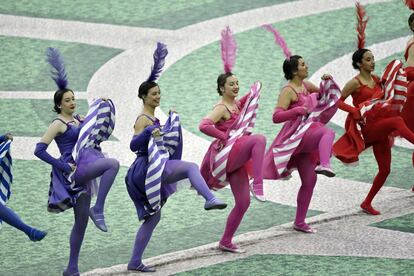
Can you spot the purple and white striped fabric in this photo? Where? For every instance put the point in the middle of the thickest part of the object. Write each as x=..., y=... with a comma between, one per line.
x=242, y=126
x=330, y=94
x=96, y=128
x=6, y=176
x=161, y=149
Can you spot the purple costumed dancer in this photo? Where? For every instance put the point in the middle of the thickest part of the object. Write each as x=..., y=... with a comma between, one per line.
x=151, y=178
x=72, y=178
x=6, y=178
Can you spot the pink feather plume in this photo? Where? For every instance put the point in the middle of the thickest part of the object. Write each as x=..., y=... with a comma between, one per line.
x=228, y=49
x=279, y=40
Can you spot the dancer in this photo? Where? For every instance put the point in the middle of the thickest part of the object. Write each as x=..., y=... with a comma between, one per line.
x=7, y=214
x=235, y=153
x=152, y=178
x=372, y=112
x=72, y=182
x=304, y=140
x=408, y=110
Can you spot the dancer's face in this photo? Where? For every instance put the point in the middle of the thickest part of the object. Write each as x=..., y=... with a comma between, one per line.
x=231, y=87
x=368, y=62
x=302, y=72
x=68, y=103
x=153, y=97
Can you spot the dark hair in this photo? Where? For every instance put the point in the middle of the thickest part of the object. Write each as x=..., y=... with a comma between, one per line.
x=410, y=20
x=57, y=99
x=357, y=57
x=144, y=88
x=290, y=66
x=221, y=81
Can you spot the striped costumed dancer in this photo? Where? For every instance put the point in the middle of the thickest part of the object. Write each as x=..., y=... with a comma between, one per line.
x=304, y=142
x=6, y=179
x=408, y=110
x=74, y=173
x=374, y=118
x=235, y=153
x=152, y=178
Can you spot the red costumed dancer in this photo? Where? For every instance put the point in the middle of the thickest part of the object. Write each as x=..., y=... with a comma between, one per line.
x=408, y=110
x=374, y=118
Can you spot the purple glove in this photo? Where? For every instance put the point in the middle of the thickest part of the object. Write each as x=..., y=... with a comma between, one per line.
x=141, y=138
x=41, y=153
x=280, y=115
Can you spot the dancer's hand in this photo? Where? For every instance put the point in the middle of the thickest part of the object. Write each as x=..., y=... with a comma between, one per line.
x=104, y=99
x=357, y=115
x=8, y=136
x=303, y=110
x=156, y=132
x=72, y=166
x=172, y=110
x=326, y=77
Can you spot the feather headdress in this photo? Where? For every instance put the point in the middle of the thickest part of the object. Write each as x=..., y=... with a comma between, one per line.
x=55, y=59
x=159, y=60
x=279, y=40
x=361, y=24
x=410, y=4
x=228, y=49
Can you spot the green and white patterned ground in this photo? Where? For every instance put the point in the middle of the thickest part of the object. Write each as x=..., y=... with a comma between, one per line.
x=108, y=49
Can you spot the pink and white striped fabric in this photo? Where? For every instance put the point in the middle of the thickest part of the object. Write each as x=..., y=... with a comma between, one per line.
x=324, y=110
x=242, y=126
x=394, y=85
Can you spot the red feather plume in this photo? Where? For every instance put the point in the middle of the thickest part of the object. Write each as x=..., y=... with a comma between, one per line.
x=410, y=4
x=361, y=24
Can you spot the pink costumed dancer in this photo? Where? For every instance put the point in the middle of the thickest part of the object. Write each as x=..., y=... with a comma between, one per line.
x=235, y=153
x=304, y=140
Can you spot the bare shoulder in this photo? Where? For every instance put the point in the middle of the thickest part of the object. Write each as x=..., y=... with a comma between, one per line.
x=287, y=92
x=142, y=121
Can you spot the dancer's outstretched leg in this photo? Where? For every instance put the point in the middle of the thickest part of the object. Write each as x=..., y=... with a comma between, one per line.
x=176, y=170
x=239, y=184
x=247, y=148
x=141, y=241
x=107, y=168
x=382, y=153
x=10, y=217
x=386, y=126
x=78, y=232
x=319, y=138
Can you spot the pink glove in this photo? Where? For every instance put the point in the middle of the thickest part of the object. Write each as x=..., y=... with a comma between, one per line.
x=206, y=126
x=280, y=115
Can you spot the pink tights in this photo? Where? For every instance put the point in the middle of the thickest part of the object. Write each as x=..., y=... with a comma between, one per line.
x=318, y=138
x=246, y=148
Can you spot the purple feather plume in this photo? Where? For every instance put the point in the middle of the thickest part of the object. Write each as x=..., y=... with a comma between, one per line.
x=279, y=40
x=58, y=71
x=228, y=49
x=159, y=60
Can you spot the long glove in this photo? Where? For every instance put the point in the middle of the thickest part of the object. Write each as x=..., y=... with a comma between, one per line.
x=206, y=126
x=350, y=109
x=281, y=115
x=42, y=154
x=141, y=138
